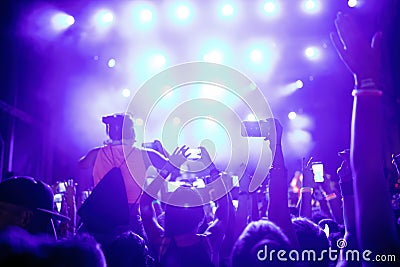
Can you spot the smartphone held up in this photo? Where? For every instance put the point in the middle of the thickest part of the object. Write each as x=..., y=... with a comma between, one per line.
x=260, y=128
x=318, y=170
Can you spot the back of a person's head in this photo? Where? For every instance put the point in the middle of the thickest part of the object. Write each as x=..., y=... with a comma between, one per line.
x=311, y=237
x=127, y=250
x=119, y=126
x=185, y=213
x=254, y=245
x=80, y=251
x=19, y=248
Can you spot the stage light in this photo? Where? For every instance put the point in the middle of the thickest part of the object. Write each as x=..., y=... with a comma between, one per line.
x=214, y=50
x=290, y=88
x=227, y=10
x=256, y=56
x=126, y=92
x=251, y=117
x=102, y=20
x=157, y=62
x=352, y=3
x=299, y=84
x=311, y=6
x=292, y=115
x=214, y=56
x=104, y=17
x=312, y=53
x=182, y=12
x=261, y=56
x=61, y=21
x=271, y=7
x=111, y=63
x=145, y=15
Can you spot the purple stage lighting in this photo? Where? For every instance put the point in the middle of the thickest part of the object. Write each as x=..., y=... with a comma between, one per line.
x=311, y=6
x=61, y=21
x=312, y=53
x=352, y=3
x=111, y=63
x=103, y=18
x=256, y=56
x=145, y=15
x=299, y=84
x=270, y=7
x=292, y=115
x=214, y=56
x=126, y=92
x=182, y=12
x=227, y=10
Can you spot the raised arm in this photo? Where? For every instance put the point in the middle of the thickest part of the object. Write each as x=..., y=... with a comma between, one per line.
x=306, y=192
x=153, y=230
x=278, y=209
x=374, y=219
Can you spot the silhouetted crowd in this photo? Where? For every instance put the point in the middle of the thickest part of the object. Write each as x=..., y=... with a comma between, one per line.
x=131, y=218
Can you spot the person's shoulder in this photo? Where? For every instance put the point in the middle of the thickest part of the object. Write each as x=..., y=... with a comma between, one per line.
x=95, y=149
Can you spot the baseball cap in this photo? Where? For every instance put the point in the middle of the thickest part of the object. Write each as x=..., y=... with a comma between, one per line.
x=30, y=193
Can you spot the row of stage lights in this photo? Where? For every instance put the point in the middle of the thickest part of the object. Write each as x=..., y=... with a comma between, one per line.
x=144, y=13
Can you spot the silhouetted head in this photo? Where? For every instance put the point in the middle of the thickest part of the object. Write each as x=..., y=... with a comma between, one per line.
x=311, y=237
x=254, y=245
x=127, y=250
x=186, y=213
x=119, y=126
x=79, y=251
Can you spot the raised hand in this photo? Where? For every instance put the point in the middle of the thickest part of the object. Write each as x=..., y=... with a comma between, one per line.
x=360, y=55
x=177, y=158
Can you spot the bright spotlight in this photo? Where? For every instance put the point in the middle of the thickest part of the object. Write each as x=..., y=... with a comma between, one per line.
x=251, y=117
x=126, y=92
x=103, y=19
x=111, y=63
x=299, y=84
x=292, y=115
x=311, y=6
x=312, y=53
x=157, y=62
x=227, y=10
x=182, y=12
x=270, y=7
x=256, y=56
x=105, y=16
x=352, y=3
x=145, y=15
x=214, y=56
x=61, y=21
